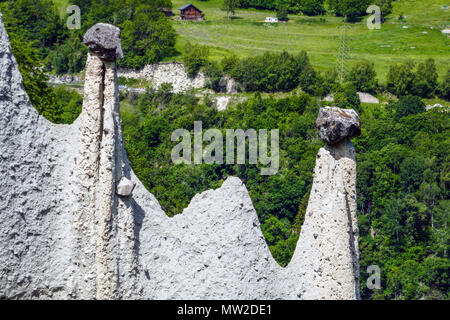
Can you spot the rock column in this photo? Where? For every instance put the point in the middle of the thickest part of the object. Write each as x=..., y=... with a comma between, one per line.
x=98, y=168
x=328, y=245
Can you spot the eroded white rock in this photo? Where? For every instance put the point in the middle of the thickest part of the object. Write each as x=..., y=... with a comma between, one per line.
x=125, y=187
x=84, y=242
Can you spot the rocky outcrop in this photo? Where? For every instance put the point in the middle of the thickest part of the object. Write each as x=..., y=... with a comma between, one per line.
x=55, y=79
x=37, y=238
x=327, y=250
x=166, y=72
x=336, y=124
x=365, y=97
x=104, y=40
x=71, y=228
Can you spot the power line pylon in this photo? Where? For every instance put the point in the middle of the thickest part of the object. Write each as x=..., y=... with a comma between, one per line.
x=343, y=55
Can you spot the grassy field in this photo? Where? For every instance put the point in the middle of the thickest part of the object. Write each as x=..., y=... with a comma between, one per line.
x=248, y=35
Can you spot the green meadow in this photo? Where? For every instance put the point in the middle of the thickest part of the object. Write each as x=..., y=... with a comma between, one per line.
x=418, y=36
x=247, y=34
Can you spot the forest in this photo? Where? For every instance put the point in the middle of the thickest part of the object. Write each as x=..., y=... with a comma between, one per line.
x=403, y=154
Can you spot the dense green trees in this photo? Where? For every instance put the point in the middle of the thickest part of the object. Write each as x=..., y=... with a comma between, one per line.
x=385, y=7
x=34, y=79
x=272, y=72
x=403, y=161
x=346, y=96
x=230, y=6
x=69, y=56
x=363, y=77
x=308, y=7
x=426, y=79
x=147, y=35
x=405, y=79
x=402, y=154
x=68, y=104
x=195, y=57
x=444, y=88
x=407, y=105
x=351, y=9
x=277, y=198
x=403, y=179
x=282, y=12
x=34, y=20
x=312, y=7
x=60, y=105
x=146, y=39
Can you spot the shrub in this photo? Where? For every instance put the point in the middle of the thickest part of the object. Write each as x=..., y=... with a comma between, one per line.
x=270, y=72
x=228, y=63
x=282, y=12
x=195, y=58
x=146, y=39
x=351, y=9
x=444, y=88
x=307, y=79
x=346, y=97
x=363, y=77
x=408, y=105
x=312, y=7
x=425, y=81
x=400, y=79
x=325, y=83
x=213, y=74
x=70, y=56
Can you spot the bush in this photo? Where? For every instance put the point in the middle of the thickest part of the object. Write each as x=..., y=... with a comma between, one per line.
x=312, y=7
x=444, y=88
x=282, y=12
x=425, y=80
x=213, y=75
x=70, y=56
x=385, y=7
x=325, y=83
x=401, y=78
x=307, y=79
x=408, y=105
x=270, y=72
x=228, y=63
x=363, y=77
x=195, y=58
x=147, y=39
x=351, y=9
x=346, y=97
x=69, y=103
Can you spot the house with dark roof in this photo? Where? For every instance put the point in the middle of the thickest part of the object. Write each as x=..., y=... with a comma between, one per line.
x=190, y=12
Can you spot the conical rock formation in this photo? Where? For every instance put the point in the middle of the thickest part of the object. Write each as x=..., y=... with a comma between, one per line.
x=65, y=232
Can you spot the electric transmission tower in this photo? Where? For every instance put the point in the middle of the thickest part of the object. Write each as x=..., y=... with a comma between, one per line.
x=343, y=55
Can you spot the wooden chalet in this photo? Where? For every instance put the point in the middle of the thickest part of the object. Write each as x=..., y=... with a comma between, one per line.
x=190, y=12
